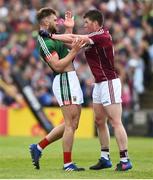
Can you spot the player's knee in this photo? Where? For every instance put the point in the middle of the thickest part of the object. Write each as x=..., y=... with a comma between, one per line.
x=99, y=122
x=75, y=124
x=116, y=123
x=69, y=128
x=75, y=121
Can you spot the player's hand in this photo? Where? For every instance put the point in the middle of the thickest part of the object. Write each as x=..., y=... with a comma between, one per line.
x=69, y=20
x=77, y=44
x=45, y=34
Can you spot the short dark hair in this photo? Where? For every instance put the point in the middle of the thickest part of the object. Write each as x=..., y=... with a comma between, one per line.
x=44, y=12
x=95, y=15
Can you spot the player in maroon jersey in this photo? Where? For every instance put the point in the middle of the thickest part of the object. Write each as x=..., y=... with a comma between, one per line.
x=107, y=88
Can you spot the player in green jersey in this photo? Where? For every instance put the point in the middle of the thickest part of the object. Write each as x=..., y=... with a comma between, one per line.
x=66, y=88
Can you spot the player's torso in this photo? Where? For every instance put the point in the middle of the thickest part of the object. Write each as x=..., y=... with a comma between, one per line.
x=100, y=57
x=54, y=46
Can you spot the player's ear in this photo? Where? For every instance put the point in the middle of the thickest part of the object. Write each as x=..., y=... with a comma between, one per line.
x=96, y=23
x=46, y=21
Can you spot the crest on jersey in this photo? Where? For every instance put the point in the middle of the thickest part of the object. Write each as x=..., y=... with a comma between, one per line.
x=74, y=98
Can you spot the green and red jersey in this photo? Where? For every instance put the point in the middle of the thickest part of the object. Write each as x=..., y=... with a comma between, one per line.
x=47, y=47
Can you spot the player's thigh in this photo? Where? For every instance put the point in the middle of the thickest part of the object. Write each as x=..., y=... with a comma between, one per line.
x=99, y=113
x=114, y=112
x=71, y=114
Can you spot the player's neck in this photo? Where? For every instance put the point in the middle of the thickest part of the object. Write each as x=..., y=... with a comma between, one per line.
x=43, y=28
x=101, y=27
x=98, y=28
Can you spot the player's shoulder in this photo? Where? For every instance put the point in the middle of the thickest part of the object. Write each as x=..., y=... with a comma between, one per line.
x=106, y=31
x=100, y=33
x=46, y=42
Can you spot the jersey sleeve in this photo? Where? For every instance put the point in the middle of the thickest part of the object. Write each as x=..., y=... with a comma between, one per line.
x=100, y=38
x=47, y=48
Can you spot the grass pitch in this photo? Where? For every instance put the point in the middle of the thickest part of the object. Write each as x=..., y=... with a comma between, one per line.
x=15, y=161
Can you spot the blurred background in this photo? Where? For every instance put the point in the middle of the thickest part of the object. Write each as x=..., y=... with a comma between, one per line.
x=131, y=24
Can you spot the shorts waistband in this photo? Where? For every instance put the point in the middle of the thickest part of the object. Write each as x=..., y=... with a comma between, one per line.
x=69, y=72
x=106, y=80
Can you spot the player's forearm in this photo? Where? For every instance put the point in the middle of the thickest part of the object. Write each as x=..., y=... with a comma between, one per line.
x=68, y=38
x=60, y=65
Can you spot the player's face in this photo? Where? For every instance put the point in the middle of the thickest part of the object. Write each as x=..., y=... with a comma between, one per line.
x=89, y=25
x=52, y=23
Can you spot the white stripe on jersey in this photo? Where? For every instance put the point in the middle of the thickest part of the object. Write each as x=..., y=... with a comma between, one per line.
x=44, y=47
x=96, y=33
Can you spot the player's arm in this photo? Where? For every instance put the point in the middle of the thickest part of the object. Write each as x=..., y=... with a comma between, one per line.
x=58, y=65
x=69, y=38
x=69, y=25
x=69, y=22
x=66, y=38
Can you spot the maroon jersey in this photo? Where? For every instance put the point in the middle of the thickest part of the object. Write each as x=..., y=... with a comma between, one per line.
x=100, y=56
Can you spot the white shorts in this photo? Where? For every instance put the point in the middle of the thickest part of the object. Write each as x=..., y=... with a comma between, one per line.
x=66, y=88
x=107, y=92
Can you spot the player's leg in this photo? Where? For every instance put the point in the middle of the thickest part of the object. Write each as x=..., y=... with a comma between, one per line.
x=67, y=90
x=104, y=137
x=113, y=109
x=71, y=115
x=101, y=124
x=55, y=134
x=71, y=98
x=114, y=112
x=36, y=149
x=114, y=115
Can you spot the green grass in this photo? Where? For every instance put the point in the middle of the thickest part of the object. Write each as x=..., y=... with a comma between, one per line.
x=15, y=159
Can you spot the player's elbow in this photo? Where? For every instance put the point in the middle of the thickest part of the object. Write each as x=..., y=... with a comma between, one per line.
x=58, y=68
x=56, y=64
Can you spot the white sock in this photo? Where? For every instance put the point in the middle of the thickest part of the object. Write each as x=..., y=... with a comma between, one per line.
x=124, y=156
x=124, y=159
x=105, y=155
x=67, y=164
x=39, y=148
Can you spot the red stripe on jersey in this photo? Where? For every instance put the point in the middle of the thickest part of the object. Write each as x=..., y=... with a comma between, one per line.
x=3, y=121
x=47, y=58
x=53, y=53
x=111, y=91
